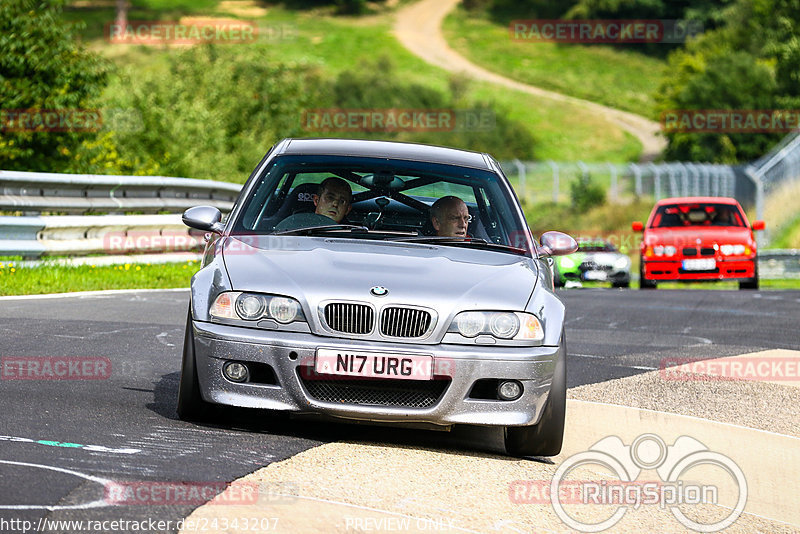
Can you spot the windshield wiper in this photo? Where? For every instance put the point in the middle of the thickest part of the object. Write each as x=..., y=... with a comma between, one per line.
x=309, y=230
x=460, y=241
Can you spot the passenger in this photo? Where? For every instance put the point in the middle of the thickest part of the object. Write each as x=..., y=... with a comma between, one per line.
x=333, y=199
x=724, y=217
x=450, y=217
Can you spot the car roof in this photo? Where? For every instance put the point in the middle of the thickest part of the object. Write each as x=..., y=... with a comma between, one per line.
x=697, y=200
x=384, y=149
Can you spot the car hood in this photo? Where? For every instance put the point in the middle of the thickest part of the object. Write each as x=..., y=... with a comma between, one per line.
x=697, y=236
x=445, y=278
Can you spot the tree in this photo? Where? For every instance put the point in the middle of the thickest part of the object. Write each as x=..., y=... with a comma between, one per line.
x=42, y=67
x=752, y=62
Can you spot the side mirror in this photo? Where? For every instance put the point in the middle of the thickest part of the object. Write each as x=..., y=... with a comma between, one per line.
x=758, y=225
x=204, y=218
x=557, y=244
x=637, y=226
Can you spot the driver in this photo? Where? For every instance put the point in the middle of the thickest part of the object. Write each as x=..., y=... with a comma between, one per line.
x=450, y=217
x=333, y=199
x=332, y=203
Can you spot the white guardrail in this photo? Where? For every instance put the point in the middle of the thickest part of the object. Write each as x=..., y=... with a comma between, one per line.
x=33, y=236
x=33, y=192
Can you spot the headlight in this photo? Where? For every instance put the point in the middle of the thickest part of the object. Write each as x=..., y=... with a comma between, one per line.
x=622, y=263
x=250, y=307
x=567, y=263
x=504, y=325
x=254, y=306
x=516, y=326
x=732, y=250
x=470, y=324
x=283, y=310
x=669, y=250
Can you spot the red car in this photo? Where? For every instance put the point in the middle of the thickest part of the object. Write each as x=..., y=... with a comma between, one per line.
x=698, y=239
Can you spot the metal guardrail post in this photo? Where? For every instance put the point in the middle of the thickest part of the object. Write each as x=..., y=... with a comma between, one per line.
x=521, y=174
x=614, y=193
x=554, y=166
x=637, y=179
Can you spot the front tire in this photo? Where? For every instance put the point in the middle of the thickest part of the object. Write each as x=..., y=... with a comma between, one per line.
x=191, y=406
x=643, y=282
x=752, y=283
x=545, y=437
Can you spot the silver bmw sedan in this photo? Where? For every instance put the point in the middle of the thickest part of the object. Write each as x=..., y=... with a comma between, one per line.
x=379, y=281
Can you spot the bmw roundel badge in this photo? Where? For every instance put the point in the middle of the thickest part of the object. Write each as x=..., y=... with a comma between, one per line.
x=379, y=291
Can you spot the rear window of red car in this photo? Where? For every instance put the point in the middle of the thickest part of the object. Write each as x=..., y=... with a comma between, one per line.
x=679, y=215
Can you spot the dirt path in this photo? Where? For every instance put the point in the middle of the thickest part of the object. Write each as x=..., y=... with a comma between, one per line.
x=418, y=28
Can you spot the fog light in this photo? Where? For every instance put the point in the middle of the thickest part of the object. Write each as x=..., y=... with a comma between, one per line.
x=235, y=371
x=509, y=390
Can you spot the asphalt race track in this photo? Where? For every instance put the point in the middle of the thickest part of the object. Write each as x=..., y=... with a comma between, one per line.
x=63, y=441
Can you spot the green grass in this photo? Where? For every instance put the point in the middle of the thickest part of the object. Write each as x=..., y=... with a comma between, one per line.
x=788, y=236
x=621, y=79
x=716, y=286
x=336, y=44
x=50, y=278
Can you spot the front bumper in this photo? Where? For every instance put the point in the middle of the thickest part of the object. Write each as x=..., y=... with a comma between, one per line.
x=740, y=269
x=291, y=355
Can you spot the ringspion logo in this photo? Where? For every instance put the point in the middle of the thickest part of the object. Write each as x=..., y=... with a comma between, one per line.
x=682, y=488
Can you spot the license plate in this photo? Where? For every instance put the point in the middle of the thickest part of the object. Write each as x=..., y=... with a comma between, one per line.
x=595, y=275
x=699, y=265
x=374, y=364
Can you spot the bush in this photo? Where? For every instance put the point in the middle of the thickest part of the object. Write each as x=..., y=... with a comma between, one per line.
x=586, y=194
x=43, y=67
x=215, y=111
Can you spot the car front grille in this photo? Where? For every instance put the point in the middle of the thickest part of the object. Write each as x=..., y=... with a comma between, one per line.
x=417, y=394
x=707, y=251
x=690, y=251
x=404, y=322
x=349, y=318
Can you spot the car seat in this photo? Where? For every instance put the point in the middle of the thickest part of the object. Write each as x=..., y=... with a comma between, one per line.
x=299, y=200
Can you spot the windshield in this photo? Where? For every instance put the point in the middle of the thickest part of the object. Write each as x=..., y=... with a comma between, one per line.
x=695, y=214
x=372, y=198
x=596, y=246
